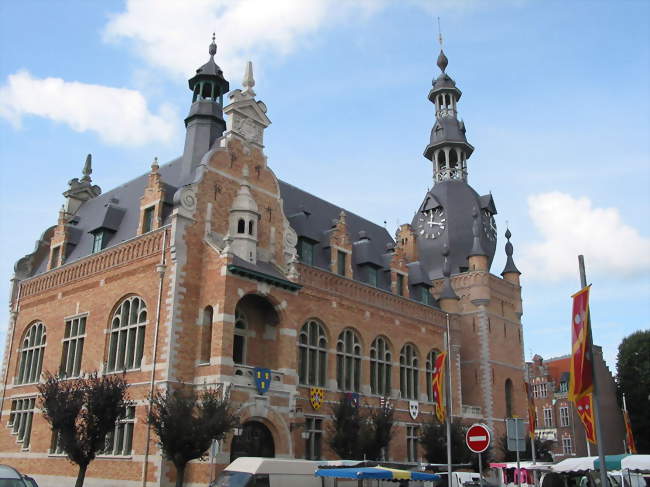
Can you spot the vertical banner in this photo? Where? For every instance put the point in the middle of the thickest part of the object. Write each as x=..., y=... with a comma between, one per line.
x=629, y=438
x=586, y=413
x=532, y=414
x=581, y=382
x=438, y=385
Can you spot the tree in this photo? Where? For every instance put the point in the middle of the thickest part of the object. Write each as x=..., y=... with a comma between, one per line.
x=542, y=450
x=345, y=429
x=186, y=423
x=81, y=412
x=633, y=379
x=433, y=439
x=377, y=431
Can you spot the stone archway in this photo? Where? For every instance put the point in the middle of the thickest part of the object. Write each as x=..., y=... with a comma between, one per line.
x=255, y=440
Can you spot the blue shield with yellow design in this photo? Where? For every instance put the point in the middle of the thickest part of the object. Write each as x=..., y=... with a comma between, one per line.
x=262, y=379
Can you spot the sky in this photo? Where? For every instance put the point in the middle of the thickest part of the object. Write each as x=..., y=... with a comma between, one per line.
x=556, y=101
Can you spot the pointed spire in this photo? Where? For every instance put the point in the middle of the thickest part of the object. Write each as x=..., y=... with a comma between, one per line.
x=213, y=47
x=88, y=169
x=477, y=248
x=447, y=290
x=248, y=82
x=510, y=263
x=154, y=165
x=442, y=61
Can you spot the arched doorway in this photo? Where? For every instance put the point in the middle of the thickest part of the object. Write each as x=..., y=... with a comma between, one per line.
x=255, y=441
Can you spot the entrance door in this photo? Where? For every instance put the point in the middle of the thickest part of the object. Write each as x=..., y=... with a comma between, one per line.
x=255, y=441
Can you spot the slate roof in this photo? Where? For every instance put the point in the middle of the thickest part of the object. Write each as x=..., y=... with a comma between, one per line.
x=118, y=211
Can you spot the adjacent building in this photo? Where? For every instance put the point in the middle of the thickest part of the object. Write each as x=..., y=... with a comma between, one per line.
x=209, y=271
x=557, y=418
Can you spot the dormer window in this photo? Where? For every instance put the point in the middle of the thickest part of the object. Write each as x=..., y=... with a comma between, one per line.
x=372, y=276
x=340, y=262
x=400, y=284
x=54, y=261
x=101, y=236
x=423, y=294
x=306, y=250
x=147, y=219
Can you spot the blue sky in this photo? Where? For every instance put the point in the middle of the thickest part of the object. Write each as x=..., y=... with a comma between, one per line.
x=555, y=100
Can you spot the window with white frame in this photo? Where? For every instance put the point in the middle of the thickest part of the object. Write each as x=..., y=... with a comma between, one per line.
x=313, y=443
x=548, y=418
x=567, y=446
x=348, y=361
x=380, y=367
x=564, y=416
x=128, y=327
x=412, y=434
x=239, y=338
x=31, y=353
x=312, y=354
x=55, y=444
x=20, y=419
x=73, y=346
x=430, y=371
x=543, y=389
x=408, y=372
x=120, y=440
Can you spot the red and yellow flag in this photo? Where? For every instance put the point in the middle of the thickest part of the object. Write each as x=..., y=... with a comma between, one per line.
x=532, y=414
x=581, y=382
x=586, y=413
x=438, y=384
x=629, y=438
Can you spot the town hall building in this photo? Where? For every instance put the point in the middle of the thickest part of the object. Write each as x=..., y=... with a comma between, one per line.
x=208, y=269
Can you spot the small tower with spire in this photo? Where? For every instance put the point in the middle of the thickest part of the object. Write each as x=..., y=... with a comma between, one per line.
x=448, y=148
x=204, y=124
x=243, y=222
x=510, y=271
x=246, y=116
x=81, y=190
x=448, y=299
x=478, y=258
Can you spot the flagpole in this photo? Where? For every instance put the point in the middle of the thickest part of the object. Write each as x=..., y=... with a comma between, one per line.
x=448, y=403
x=596, y=399
x=626, y=450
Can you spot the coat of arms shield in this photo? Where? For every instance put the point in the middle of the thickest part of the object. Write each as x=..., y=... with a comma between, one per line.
x=262, y=379
x=414, y=409
x=316, y=396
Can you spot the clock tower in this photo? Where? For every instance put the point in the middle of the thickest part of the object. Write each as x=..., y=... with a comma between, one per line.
x=450, y=209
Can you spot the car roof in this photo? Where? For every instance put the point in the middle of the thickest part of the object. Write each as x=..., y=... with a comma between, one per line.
x=7, y=472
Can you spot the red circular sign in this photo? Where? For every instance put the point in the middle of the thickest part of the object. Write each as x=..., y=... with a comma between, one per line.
x=478, y=438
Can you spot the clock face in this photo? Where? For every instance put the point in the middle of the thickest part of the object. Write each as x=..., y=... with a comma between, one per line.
x=431, y=223
x=489, y=225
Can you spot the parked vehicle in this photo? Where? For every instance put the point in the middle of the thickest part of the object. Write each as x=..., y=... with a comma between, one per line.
x=10, y=477
x=269, y=472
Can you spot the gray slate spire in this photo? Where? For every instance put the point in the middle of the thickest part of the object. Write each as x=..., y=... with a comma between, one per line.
x=477, y=248
x=447, y=290
x=88, y=169
x=510, y=263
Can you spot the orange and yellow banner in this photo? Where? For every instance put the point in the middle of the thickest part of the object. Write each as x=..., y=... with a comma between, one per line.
x=438, y=384
x=629, y=438
x=581, y=382
x=532, y=414
x=585, y=409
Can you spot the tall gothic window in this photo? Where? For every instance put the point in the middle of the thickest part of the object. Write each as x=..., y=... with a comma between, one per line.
x=126, y=343
x=380, y=367
x=408, y=372
x=31, y=354
x=312, y=354
x=206, y=335
x=508, y=391
x=348, y=361
x=429, y=371
x=73, y=346
x=239, y=338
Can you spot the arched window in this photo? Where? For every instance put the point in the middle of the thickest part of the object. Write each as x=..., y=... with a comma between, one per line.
x=239, y=339
x=207, y=91
x=206, y=335
x=31, y=354
x=241, y=226
x=408, y=372
x=312, y=354
x=429, y=371
x=348, y=361
x=453, y=158
x=508, y=389
x=250, y=227
x=127, y=335
x=380, y=367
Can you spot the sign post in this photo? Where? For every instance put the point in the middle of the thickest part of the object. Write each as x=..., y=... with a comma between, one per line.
x=478, y=440
x=516, y=440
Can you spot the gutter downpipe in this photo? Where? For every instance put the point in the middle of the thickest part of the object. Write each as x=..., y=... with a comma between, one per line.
x=160, y=268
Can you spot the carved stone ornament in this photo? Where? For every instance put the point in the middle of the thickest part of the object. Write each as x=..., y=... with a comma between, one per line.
x=188, y=198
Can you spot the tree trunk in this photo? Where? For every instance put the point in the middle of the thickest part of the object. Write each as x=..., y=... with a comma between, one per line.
x=180, y=475
x=81, y=476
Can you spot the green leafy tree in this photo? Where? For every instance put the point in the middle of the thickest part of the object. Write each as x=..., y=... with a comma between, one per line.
x=433, y=438
x=543, y=450
x=186, y=423
x=633, y=379
x=377, y=431
x=344, y=432
x=81, y=412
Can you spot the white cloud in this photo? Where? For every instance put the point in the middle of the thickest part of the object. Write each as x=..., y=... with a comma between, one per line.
x=119, y=116
x=569, y=227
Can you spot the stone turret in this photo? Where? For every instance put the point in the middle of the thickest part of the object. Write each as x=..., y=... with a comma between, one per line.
x=243, y=225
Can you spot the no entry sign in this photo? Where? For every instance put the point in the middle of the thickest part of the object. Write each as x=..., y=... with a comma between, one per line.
x=478, y=438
